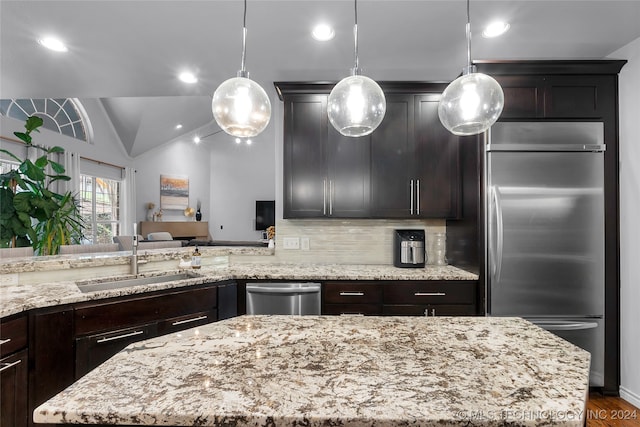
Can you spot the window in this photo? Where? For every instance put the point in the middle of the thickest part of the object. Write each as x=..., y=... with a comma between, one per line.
x=6, y=166
x=100, y=208
x=62, y=115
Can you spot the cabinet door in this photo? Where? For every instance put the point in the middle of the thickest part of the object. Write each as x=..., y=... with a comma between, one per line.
x=92, y=350
x=348, y=171
x=579, y=96
x=305, y=135
x=429, y=310
x=523, y=96
x=391, y=159
x=51, y=353
x=437, y=163
x=227, y=301
x=13, y=390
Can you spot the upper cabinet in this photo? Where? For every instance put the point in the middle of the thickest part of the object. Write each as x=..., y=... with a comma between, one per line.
x=407, y=168
x=555, y=89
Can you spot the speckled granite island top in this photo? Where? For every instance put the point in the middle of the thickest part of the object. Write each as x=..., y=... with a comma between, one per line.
x=336, y=371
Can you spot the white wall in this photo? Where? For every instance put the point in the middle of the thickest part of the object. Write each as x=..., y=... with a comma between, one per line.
x=629, y=90
x=178, y=158
x=240, y=175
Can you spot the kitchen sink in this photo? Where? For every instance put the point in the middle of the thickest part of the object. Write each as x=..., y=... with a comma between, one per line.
x=127, y=282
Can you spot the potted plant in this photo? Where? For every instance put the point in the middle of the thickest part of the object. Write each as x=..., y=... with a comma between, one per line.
x=31, y=213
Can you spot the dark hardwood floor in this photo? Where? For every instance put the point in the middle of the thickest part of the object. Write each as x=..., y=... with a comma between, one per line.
x=607, y=411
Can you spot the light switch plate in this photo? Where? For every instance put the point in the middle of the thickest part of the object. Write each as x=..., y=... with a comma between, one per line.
x=291, y=243
x=304, y=243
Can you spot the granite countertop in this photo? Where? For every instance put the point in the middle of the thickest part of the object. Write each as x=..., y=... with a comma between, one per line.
x=336, y=370
x=18, y=298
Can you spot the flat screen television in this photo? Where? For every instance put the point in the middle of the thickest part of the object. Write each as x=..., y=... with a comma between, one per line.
x=265, y=214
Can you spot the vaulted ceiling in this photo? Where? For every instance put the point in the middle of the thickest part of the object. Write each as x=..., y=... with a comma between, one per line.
x=128, y=53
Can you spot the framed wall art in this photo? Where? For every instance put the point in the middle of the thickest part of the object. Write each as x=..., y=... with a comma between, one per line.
x=174, y=192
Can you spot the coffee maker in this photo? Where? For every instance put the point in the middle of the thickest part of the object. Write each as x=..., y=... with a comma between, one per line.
x=409, y=251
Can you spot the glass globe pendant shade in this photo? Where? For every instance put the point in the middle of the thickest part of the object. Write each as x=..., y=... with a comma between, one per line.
x=471, y=104
x=356, y=106
x=241, y=107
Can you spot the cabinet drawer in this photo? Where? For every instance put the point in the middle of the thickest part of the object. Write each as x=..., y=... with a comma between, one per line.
x=125, y=312
x=430, y=310
x=185, y=322
x=13, y=393
x=351, y=293
x=363, y=309
x=430, y=292
x=92, y=350
x=13, y=335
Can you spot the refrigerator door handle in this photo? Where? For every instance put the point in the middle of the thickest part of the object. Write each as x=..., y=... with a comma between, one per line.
x=499, y=252
x=558, y=325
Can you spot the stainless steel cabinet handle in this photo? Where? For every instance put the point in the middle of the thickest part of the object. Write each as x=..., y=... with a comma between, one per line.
x=430, y=294
x=330, y=197
x=5, y=341
x=351, y=294
x=119, y=337
x=433, y=311
x=411, y=203
x=182, y=322
x=500, y=231
x=9, y=365
x=417, y=197
x=351, y=314
x=324, y=197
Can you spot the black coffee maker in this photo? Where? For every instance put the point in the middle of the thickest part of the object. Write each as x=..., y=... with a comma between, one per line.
x=408, y=251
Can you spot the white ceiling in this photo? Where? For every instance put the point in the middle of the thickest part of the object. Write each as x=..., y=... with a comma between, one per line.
x=129, y=52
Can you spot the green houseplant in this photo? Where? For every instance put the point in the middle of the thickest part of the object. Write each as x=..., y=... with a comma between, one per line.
x=31, y=213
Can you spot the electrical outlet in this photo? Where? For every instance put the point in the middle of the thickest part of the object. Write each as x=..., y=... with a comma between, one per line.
x=304, y=243
x=291, y=243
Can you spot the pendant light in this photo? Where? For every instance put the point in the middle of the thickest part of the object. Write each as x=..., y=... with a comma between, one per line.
x=472, y=102
x=240, y=106
x=356, y=105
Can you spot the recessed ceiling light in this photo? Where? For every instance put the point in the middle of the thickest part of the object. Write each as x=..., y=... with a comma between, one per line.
x=238, y=140
x=196, y=139
x=495, y=29
x=187, y=77
x=53, y=43
x=323, y=32
x=178, y=126
x=249, y=141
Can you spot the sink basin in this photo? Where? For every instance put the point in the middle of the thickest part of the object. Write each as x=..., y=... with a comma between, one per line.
x=93, y=286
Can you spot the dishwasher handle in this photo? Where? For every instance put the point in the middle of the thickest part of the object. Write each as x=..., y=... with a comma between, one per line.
x=306, y=289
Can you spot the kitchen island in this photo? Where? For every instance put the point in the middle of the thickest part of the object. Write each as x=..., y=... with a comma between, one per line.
x=336, y=370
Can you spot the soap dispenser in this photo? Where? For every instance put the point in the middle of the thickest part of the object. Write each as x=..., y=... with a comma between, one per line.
x=195, y=259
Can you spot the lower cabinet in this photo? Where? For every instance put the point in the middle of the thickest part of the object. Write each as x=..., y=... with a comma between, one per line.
x=430, y=298
x=401, y=298
x=14, y=372
x=103, y=328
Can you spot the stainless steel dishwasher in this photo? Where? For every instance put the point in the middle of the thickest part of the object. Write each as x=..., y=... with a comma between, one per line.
x=283, y=298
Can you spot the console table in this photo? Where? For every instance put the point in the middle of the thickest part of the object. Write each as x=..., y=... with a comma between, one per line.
x=178, y=229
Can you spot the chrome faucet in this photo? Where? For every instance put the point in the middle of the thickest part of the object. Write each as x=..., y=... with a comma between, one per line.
x=134, y=255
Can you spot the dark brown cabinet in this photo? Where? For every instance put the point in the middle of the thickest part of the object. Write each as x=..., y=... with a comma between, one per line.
x=407, y=168
x=14, y=372
x=325, y=174
x=401, y=298
x=430, y=298
x=103, y=328
x=51, y=353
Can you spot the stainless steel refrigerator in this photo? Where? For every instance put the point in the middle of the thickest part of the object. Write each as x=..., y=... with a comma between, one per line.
x=544, y=210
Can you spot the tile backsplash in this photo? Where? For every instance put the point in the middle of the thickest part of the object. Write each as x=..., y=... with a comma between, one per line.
x=346, y=241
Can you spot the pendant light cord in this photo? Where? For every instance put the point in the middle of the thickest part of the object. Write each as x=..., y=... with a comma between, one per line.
x=244, y=38
x=355, y=36
x=468, y=36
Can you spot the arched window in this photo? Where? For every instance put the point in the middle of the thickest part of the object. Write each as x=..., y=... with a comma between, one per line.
x=62, y=115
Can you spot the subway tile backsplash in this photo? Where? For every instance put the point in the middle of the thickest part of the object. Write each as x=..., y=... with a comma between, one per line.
x=346, y=241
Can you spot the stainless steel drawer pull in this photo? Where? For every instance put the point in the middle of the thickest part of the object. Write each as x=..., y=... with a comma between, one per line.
x=119, y=337
x=430, y=294
x=351, y=314
x=182, y=322
x=5, y=341
x=351, y=294
x=9, y=365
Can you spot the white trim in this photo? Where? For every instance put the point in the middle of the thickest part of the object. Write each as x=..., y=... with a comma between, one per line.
x=630, y=396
